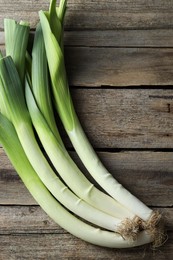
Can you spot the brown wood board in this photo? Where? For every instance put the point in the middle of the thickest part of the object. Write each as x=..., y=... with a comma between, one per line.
x=65, y=246
x=88, y=14
x=151, y=181
x=114, y=38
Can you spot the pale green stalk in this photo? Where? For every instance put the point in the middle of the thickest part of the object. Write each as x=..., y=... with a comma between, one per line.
x=15, y=103
x=54, y=20
x=61, y=10
x=40, y=80
x=74, y=130
x=53, y=208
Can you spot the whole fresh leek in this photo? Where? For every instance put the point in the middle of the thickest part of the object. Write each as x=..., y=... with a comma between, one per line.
x=14, y=91
x=72, y=125
x=39, y=105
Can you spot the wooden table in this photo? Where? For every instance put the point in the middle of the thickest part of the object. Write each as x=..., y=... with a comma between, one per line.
x=119, y=58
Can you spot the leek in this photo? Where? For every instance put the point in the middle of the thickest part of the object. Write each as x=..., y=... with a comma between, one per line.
x=67, y=169
x=16, y=107
x=13, y=148
x=40, y=110
x=14, y=92
x=73, y=127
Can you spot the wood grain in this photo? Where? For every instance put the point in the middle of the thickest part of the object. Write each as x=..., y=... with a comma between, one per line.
x=88, y=14
x=126, y=118
x=32, y=219
x=115, y=38
x=148, y=175
x=120, y=38
x=95, y=67
x=65, y=246
x=119, y=66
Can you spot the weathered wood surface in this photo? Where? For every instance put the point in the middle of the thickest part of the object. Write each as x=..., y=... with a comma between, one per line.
x=32, y=219
x=109, y=44
x=64, y=246
x=152, y=177
x=126, y=118
x=88, y=14
x=119, y=66
x=95, y=67
x=115, y=38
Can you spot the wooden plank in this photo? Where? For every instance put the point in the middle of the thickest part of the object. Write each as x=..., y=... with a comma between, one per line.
x=126, y=118
x=119, y=66
x=32, y=219
x=65, y=246
x=95, y=67
x=116, y=38
x=148, y=175
x=88, y=14
x=120, y=38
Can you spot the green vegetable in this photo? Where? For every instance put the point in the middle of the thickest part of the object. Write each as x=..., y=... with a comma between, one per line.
x=12, y=146
x=73, y=127
x=15, y=104
x=52, y=141
x=19, y=116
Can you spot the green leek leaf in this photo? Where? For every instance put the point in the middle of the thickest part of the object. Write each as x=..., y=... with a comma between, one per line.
x=16, y=40
x=40, y=82
x=58, y=74
x=12, y=90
